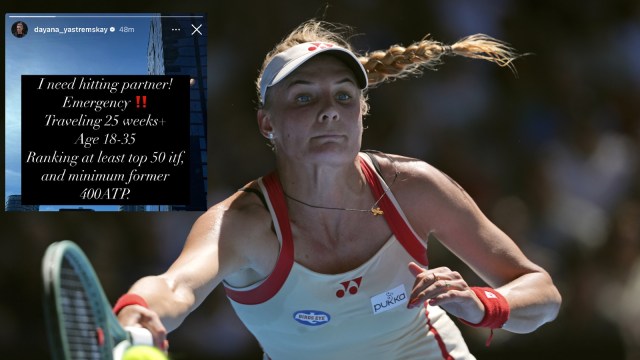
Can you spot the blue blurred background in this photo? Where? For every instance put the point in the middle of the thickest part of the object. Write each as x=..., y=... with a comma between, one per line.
x=551, y=156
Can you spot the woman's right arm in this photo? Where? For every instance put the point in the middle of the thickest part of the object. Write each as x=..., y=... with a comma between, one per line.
x=213, y=250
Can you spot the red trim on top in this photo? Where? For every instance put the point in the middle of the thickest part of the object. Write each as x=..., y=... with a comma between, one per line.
x=398, y=225
x=273, y=283
x=436, y=334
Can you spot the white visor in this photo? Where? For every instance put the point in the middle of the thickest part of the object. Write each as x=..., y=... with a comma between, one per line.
x=287, y=61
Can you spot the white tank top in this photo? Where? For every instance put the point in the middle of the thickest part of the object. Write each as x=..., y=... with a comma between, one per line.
x=296, y=313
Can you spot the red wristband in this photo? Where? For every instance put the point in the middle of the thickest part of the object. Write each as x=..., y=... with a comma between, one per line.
x=129, y=299
x=496, y=309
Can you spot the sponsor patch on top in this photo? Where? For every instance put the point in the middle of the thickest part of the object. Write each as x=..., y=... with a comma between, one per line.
x=389, y=299
x=311, y=317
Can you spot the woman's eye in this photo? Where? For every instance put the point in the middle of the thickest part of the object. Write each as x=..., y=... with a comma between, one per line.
x=343, y=97
x=303, y=99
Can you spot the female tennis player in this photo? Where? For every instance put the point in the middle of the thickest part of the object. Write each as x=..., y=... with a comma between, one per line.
x=326, y=257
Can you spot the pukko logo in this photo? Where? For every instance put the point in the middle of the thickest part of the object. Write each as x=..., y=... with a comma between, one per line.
x=388, y=300
x=311, y=317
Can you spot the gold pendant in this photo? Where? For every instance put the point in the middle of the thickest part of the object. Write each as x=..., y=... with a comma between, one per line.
x=376, y=211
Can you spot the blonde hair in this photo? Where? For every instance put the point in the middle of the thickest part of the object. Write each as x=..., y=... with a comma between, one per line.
x=397, y=61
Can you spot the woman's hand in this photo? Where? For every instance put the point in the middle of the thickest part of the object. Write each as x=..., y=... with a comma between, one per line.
x=447, y=289
x=139, y=316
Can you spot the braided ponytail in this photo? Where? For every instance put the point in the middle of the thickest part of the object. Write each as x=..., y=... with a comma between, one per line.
x=399, y=62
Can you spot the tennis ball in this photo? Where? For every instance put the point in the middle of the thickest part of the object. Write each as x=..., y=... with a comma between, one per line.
x=144, y=352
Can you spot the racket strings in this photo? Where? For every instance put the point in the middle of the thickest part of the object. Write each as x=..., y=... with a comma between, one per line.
x=78, y=316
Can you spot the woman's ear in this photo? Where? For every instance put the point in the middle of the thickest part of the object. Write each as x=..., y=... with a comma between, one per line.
x=264, y=124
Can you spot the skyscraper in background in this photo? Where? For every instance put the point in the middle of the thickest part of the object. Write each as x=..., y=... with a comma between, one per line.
x=14, y=203
x=178, y=46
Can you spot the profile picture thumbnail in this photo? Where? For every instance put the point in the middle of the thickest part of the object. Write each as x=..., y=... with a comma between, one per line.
x=19, y=29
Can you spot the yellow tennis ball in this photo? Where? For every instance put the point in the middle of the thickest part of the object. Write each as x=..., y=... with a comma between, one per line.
x=144, y=352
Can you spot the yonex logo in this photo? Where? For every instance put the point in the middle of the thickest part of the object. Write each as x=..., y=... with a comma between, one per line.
x=311, y=317
x=350, y=286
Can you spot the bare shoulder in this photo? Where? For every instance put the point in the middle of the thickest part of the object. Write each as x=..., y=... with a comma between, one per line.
x=238, y=229
x=240, y=215
x=414, y=176
x=424, y=193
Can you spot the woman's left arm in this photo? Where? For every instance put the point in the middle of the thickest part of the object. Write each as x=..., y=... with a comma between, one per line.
x=440, y=207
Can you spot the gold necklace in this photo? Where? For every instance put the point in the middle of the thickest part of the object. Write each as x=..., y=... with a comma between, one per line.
x=375, y=209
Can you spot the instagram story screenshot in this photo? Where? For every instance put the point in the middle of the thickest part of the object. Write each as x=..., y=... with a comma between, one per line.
x=105, y=112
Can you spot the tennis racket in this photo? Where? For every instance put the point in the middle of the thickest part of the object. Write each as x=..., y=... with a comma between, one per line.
x=80, y=322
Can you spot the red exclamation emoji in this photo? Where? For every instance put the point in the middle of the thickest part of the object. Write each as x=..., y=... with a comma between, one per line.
x=144, y=101
x=138, y=101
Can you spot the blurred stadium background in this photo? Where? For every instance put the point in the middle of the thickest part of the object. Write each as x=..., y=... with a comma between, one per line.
x=551, y=156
